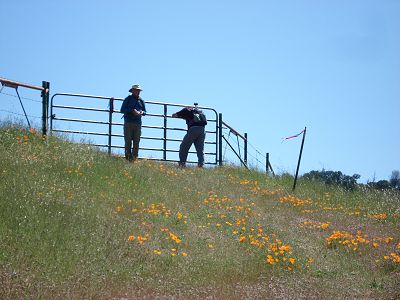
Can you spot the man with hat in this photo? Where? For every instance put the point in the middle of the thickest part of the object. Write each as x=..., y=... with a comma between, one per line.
x=133, y=109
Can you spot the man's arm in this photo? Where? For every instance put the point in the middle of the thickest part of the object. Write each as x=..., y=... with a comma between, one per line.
x=136, y=112
x=144, y=108
x=182, y=114
x=124, y=108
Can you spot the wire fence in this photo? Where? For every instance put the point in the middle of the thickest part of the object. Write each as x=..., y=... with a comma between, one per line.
x=12, y=110
x=255, y=158
x=25, y=108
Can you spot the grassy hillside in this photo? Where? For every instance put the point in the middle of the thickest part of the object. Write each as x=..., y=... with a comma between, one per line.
x=76, y=223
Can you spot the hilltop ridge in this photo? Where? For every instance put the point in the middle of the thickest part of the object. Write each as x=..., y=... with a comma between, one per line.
x=77, y=223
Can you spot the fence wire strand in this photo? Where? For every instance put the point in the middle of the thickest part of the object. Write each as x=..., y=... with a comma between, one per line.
x=256, y=156
x=15, y=96
x=17, y=114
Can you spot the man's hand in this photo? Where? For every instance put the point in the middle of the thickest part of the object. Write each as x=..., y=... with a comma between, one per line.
x=136, y=112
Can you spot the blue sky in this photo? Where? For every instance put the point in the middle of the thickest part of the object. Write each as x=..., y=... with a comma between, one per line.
x=270, y=67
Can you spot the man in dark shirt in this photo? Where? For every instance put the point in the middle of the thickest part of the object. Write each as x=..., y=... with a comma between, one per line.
x=196, y=134
x=133, y=109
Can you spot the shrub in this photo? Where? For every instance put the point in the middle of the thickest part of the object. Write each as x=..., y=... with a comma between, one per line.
x=333, y=178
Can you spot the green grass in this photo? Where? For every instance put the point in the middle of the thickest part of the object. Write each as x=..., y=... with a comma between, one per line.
x=76, y=223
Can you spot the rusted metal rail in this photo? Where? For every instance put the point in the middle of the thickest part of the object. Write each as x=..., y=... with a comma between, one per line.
x=45, y=89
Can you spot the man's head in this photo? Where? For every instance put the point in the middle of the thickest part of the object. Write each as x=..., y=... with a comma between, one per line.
x=135, y=90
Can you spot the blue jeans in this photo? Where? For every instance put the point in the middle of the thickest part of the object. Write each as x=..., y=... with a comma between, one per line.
x=132, y=133
x=196, y=135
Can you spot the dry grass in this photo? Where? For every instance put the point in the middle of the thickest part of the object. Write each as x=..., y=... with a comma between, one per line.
x=75, y=223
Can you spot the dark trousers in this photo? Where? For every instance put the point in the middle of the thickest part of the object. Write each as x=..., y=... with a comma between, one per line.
x=195, y=135
x=132, y=133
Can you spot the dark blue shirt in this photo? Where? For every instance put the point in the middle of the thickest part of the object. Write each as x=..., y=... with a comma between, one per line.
x=130, y=103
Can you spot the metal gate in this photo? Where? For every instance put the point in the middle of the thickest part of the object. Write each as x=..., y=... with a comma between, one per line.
x=98, y=124
x=96, y=120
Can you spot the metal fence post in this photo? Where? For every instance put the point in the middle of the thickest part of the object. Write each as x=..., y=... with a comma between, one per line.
x=45, y=106
x=245, y=148
x=220, y=138
x=110, y=115
x=298, y=163
x=165, y=133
